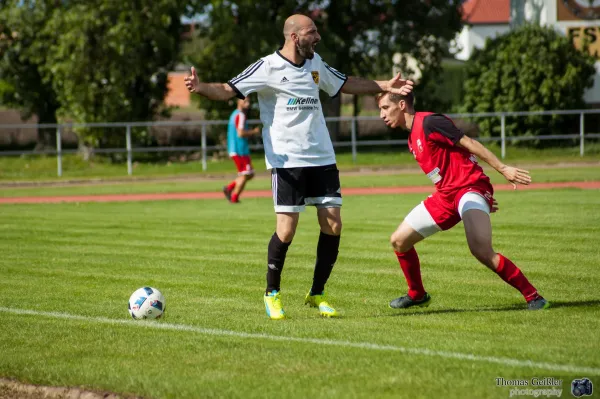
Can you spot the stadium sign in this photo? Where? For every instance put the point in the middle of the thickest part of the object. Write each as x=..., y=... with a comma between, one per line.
x=570, y=10
x=586, y=35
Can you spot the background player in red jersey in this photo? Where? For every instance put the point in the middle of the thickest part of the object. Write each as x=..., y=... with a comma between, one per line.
x=239, y=149
x=463, y=191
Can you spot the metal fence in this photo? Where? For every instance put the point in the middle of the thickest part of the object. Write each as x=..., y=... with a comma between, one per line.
x=354, y=143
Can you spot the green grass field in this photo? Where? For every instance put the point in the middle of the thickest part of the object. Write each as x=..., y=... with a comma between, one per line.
x=42, y=168
x=67, y=271
x=412, y=177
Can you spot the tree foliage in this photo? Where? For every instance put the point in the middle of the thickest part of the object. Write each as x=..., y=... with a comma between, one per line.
x=232, y=36
x=23, y=45
x=357, y=37
x=107, y=61
x=530, y=69
x=111, y=60
x=90, y=60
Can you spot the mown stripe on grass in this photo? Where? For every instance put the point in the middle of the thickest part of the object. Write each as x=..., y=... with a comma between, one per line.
x=346, y=344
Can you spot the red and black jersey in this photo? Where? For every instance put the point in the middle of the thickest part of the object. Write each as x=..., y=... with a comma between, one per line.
x=432, y=141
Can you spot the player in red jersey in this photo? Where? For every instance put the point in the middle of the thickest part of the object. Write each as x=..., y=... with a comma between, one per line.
x=462, y=191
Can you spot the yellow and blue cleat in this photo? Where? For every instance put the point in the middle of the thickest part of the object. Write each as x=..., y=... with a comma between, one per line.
x=273, y=305
x=319, y=301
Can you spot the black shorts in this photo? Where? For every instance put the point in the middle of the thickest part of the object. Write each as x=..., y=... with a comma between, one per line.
x=293, y=188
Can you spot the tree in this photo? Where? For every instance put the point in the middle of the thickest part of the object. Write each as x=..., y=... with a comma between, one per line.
x=362, y=36
x=109, y=61
x=233, y=36
x=530, y=69
x=358, y=37
x=23, y=45
x=443, y=89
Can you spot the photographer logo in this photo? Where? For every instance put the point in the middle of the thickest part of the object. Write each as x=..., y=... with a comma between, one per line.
x=582, y=387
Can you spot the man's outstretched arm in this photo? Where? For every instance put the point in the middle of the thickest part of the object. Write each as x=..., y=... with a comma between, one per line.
x=212, y=91
x=355, y=85
x=512, y=174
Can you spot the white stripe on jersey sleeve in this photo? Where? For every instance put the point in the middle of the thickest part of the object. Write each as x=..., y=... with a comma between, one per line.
x=252, y=79
x=330, y=80
x=335, y=72
x=247, y=72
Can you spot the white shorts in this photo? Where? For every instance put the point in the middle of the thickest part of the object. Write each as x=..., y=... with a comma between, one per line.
x=422, y=222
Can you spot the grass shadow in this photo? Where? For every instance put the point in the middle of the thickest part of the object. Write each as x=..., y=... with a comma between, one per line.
x=509, y=308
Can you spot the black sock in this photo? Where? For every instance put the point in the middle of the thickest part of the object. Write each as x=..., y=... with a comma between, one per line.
x=327, y=252
x=275, y=259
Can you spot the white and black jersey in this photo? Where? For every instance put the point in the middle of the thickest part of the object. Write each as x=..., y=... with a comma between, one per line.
x=294, y=130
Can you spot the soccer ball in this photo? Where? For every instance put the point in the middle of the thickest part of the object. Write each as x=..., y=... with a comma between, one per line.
x=146, y=303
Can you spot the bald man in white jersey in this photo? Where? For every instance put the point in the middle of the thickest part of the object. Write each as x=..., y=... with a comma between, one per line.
x=298, y=149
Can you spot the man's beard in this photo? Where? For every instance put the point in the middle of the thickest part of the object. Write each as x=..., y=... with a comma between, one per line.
x=305, y=51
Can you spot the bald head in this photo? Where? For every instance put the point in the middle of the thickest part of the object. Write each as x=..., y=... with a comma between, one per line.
x=301, y=37
x=295, y=24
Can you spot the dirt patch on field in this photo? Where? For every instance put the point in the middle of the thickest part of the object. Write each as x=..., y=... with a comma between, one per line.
x=590, y=185
x=10, y=389
x=359, y=171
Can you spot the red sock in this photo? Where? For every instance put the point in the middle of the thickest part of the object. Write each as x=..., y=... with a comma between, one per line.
x=411, y=267
x=231, y=186
x=512, y=275
x=234, y=197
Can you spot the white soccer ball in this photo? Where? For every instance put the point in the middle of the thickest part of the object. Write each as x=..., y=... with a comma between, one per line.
x=146, y=303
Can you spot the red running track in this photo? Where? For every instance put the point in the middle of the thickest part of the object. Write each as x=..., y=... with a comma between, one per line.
x=265, y=193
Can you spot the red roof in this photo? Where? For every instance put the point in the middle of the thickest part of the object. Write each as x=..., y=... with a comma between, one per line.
x=486, y=11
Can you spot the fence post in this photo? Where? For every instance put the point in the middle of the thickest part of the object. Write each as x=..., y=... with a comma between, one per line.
x=581, y=130
x=353, y=138
x=58, y=152
x=204, y=146
x=129, y=158
x=503, y=135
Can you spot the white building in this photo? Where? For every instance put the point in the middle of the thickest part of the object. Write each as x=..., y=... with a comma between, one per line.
x=577, y=19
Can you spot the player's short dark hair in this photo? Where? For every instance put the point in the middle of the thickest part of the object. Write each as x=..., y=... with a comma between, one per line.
x=395, y=98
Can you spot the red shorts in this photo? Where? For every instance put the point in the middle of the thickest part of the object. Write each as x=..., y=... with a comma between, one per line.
x=443, y=208
x=243, y=164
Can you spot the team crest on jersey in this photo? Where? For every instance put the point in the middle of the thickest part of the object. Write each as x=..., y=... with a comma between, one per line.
x=315, y=75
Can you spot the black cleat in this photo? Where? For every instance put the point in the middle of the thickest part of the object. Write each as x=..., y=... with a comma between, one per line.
x=227, y=193
x=538, y=303
x=406, y=302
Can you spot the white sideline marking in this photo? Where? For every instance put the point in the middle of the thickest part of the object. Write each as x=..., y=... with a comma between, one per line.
x=347, y=344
